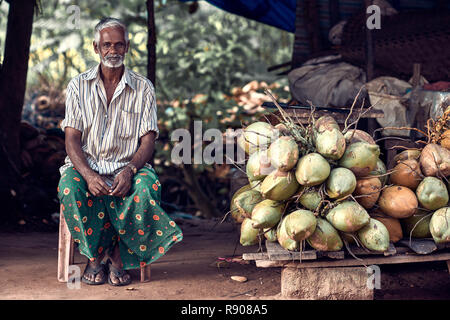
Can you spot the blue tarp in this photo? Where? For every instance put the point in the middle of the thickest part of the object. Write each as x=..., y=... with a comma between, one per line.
x=281, y=13
x=277, y=13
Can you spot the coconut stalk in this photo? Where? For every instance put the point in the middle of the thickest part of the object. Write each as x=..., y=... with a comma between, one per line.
x=299, y=134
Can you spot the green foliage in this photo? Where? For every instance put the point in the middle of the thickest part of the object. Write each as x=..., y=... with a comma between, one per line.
x=201, y=57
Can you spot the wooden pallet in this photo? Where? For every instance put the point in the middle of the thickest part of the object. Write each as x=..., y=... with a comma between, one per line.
x=312, y=274
x=418, y=250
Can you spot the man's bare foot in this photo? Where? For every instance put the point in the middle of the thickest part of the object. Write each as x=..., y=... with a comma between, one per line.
x=117, y=276
x=94, y=273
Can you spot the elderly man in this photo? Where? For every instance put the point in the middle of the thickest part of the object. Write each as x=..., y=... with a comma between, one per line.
x=109, y=194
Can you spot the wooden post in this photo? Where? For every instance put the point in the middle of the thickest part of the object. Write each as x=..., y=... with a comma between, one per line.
x=151, y=51
x=369, y=47
x=416, y=75
x=151, y=42
x=311, y=17
x=421, y=114
x=145, y=273
x=335, y=16
x=65, y=249
x=297, y=56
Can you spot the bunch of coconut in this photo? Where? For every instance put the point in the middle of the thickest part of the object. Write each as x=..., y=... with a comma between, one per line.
x=313, y=184
x=416, y=202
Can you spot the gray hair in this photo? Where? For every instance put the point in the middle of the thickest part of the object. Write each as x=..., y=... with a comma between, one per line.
x=109, y=22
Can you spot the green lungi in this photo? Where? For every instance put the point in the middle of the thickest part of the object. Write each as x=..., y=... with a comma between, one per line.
x=136, y=222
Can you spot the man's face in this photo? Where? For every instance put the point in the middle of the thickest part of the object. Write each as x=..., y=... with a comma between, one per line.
x=111, y=47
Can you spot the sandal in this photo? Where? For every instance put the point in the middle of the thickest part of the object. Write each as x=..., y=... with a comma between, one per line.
x=118, y=273
x=94, y=271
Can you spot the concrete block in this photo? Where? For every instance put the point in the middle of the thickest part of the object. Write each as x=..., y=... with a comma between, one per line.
x=341, y=283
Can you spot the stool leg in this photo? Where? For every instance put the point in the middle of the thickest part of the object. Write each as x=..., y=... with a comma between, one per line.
x=65, y=249
x=145, y=273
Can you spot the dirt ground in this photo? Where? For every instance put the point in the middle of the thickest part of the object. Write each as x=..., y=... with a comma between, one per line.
x=189, y=271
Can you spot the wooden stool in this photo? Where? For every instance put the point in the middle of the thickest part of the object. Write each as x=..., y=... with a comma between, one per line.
x=66, y=253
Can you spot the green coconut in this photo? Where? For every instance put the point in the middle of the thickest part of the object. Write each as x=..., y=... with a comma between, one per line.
x=330, y=143
x=249, y=235
x=325, y=237
x=270, y=234
x=380, y=171
x=237, y=216
x=258, y=166
x=440, y=225
x=300, y=224
x=257, y=135
x=325, y=123
x=348, y=216
x=312, y=169
x=241, y=142
x=310, y=199
x=279, y=185
x=235, y=213
x=283, y=238
x=246, y=201
x=241, y=189
x=340, y=183
x=432, y=193
x=284, y=153
x=361, y=158
x=256, y=185
x=418, y=225
x=374, y=236
x=352, y=136
x=267, y=214
x=283, y=130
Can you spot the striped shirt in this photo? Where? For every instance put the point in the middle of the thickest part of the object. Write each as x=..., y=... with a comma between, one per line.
x=110, y=135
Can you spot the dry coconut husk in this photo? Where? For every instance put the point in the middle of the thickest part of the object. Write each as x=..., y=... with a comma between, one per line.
x=445, y=140
x=392, y=224
x=406, y=173
x=435, y=160
x=367, y=191
x=410, y=154
x=398, y=202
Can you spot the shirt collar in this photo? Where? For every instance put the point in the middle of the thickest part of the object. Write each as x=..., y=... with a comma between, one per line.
x=94, y=74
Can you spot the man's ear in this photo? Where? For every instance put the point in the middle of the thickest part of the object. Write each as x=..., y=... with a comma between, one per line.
x=127, y=47
x=95, y=47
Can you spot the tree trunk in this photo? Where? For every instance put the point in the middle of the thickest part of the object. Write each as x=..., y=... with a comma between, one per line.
x=12, y=91
x=202, y=202
x=151, y=42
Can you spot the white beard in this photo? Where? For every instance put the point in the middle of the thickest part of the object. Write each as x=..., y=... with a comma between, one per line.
x=107, y=63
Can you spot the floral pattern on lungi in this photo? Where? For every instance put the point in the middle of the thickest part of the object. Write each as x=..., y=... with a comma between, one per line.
x=136, y=222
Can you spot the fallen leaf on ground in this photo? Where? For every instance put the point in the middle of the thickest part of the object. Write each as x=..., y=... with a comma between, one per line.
x=239, y=278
